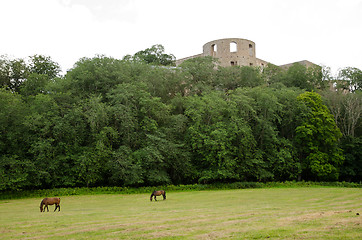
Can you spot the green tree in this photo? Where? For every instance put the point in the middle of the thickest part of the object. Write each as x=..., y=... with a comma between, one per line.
x=353, y=76
x=41, y=70
x=15, y=167
x=13, y=112
x=273, y=74
x=230, y=78
x=220, y=139
x=154, y=55
x=351, y=169
x=123, y=168
x=346, y=109
x=201, y=73
x=43, y=115
x=44, y=65
x=275, y=150
x=13, y=72
x=96, y=75
x=317, y=141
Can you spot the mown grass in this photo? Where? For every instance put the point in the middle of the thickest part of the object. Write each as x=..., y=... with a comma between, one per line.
x=272, y=213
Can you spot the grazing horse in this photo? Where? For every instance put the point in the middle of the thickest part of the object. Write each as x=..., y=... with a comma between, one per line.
x=50, y=201
x=158, y=193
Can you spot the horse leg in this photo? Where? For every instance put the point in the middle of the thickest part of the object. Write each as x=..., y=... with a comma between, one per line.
x=155, y=198
x=56, y=206
x=46, y=207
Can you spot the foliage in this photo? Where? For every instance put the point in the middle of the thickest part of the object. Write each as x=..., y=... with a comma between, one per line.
x=130, y=123
x=351, y=169
x=16, y=73
x=154, y=55
x=318, y=138
x=353, y=76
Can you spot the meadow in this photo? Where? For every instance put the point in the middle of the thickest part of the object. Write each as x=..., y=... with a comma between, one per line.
x=268, y=213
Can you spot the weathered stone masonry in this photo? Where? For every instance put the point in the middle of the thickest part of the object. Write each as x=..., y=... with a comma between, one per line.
x=235, y=52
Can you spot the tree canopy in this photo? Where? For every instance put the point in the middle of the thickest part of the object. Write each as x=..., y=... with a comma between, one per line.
x=133, y=122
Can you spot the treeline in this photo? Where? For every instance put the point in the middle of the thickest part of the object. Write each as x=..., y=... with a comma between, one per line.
x=129, y=122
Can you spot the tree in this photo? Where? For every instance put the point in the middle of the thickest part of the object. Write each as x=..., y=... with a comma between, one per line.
x=297, y=75
x=273, y=74
x=41, y=71
x=230, y=78
x=96, y=75
x=351, y=169
x=44, y=65
x=353, y=76
x=346, y=109
x=15, y=167
x=201, y=72
x=12, y=73
x=154, y=55
x=123, y=169
x=275, y=150
x=317, y=141
x=220, y=138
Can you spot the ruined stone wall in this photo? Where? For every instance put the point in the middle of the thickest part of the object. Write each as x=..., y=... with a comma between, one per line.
x=236, y=52
x=230, y=52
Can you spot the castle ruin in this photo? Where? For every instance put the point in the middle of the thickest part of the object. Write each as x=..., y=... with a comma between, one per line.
x=235, y=52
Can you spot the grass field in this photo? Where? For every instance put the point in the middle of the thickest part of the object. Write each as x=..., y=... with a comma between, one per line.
x=273, y=213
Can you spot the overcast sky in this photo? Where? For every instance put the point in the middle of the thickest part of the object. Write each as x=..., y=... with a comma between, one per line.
x=326, y=32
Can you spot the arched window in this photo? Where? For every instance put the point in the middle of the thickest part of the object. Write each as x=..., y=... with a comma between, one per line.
x=213, y=49
x=233, y=47
x=251, y=51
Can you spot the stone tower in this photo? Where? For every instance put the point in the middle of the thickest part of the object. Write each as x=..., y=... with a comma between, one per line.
x=230, y=52
x=236, y=52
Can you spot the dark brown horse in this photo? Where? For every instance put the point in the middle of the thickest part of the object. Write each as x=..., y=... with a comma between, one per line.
x=50, y=201
x=158, y=193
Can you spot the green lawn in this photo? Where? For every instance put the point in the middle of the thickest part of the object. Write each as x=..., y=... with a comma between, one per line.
x=274, y=213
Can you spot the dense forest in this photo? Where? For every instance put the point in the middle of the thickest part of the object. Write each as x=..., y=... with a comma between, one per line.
x=140, y=121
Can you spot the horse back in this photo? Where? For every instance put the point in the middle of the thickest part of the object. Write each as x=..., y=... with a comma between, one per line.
x=51, y=201
x=158, y=193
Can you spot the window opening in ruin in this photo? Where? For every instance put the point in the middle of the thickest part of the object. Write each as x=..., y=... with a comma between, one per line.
x=233, y=47
x=213, y=49
x=251, y=50
x=251, y=64
x=233, y=63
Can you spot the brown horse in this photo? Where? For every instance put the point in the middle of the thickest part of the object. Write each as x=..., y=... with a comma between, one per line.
x=158, y=193
x=50, y=201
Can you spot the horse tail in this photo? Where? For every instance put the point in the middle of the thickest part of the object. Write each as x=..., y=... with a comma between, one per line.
x=164, y=194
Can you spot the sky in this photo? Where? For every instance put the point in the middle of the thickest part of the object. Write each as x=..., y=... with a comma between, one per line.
x=325, y=32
